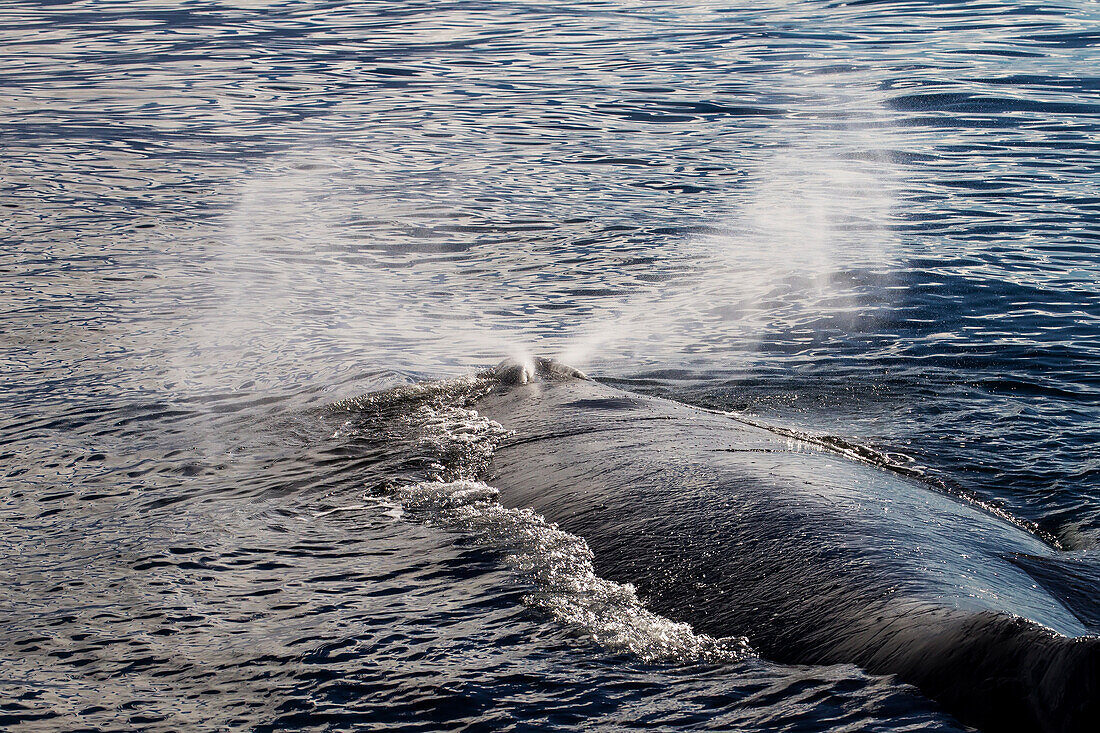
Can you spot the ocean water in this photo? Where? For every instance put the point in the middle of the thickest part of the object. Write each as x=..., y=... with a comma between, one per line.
x=223, y=224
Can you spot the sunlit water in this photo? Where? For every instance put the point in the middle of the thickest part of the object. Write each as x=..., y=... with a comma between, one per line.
x=878, y=221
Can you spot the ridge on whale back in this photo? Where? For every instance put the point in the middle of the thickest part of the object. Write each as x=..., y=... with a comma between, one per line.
x=817, y=558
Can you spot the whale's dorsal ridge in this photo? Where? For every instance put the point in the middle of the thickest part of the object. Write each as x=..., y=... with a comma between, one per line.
x=726, y=526
x=531, y=369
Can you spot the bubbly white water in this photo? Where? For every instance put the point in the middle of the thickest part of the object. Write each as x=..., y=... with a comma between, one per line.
x=556, y=565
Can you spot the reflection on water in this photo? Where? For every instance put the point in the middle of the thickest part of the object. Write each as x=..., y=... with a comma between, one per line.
x=871, y=220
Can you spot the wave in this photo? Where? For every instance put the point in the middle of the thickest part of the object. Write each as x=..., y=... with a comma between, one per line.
x=452, y=444
x=558, y=566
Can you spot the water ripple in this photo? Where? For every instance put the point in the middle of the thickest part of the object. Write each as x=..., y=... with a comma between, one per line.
x=873, y=219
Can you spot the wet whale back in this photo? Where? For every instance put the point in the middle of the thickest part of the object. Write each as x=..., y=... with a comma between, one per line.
x=818, y=558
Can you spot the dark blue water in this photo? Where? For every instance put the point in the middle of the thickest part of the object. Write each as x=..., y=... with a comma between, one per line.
x=873, y=221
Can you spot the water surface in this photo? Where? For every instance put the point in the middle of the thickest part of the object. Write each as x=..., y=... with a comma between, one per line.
x=876, y=221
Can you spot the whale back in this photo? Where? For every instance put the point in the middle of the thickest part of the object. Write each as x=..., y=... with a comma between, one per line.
x=815, y=557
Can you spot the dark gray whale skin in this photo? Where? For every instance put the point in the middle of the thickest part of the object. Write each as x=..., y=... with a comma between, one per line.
x=817, y=558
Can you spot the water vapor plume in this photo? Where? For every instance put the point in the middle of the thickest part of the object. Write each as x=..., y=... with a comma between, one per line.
x=793, y=250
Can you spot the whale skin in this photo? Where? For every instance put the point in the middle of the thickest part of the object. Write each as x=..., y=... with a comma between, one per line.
x=815, y=557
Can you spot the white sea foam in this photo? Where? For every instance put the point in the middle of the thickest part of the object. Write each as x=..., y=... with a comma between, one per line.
x=556, y=564
x=559, y=567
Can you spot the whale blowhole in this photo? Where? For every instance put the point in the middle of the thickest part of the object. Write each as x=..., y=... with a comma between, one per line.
x=532, y=369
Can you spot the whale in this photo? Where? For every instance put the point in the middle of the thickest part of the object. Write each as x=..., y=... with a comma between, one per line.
x=817, y=558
